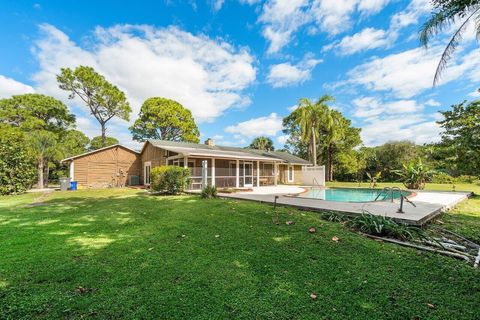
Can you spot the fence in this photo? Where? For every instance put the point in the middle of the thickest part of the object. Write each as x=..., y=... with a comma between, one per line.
x=313, y=176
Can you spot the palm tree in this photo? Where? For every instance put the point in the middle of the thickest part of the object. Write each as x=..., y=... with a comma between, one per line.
x=43, y=145
x=310, y=118
x=262, y=143
x=334, y=128
x=448, y=12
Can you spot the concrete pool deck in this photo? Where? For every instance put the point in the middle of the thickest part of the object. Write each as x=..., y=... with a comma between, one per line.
x=429, y=204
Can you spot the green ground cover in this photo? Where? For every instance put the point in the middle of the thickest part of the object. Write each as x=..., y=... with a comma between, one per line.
x=123, y=254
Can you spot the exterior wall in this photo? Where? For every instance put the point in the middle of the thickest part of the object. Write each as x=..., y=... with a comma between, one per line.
x=151, y=154
x=283, y=174
x=109, y=167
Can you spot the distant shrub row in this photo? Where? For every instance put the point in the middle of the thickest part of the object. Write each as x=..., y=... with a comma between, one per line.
x=442, y=177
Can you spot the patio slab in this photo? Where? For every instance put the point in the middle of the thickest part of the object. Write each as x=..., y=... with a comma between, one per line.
x=428, y=204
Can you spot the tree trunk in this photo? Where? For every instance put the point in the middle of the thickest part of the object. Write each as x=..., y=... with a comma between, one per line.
x=314, y=147
x=46, y=175
x=104, y=137
x=40, y=174
x=330, y=163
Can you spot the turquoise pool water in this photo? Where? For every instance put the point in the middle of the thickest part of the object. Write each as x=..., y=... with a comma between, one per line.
x=350, y=194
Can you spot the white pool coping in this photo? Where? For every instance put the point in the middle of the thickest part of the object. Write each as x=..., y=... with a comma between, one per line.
x=429, y=204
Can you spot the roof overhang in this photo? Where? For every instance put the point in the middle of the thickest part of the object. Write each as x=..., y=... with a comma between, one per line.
x=98, y=150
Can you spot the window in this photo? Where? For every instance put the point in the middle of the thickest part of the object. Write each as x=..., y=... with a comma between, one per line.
x=290, y=174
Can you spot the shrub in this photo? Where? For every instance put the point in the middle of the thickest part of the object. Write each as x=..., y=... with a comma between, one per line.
x=17, y=170
x=169, y=179
x=414, y=175
x=209, y=192
x=466, y=179
x=441, y=177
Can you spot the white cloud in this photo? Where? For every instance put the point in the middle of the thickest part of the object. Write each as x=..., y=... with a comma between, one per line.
x=368, y=38
x=292, y=108
x=283, y=18
x=217, y=5
x=262, y=126
x=10, y=87
x=368, y=107
x=286, y=74
x=395, y=120
x=282, y=139
x=207, y=76
x=474, y=94
x=408, y=73
x=413, y=127
x=411, y=14
x=432, y=103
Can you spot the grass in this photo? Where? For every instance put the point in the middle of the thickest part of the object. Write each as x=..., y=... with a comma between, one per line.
x=123, y=254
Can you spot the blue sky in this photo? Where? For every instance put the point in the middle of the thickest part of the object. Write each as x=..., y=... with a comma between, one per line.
x=240, y=66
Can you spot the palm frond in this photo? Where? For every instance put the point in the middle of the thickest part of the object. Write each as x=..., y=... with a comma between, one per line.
x=450, y=48
x=433, y=26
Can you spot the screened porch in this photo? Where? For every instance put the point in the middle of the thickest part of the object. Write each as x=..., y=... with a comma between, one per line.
x=229, y=173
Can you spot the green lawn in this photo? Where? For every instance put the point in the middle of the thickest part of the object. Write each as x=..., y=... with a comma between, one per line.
x=123, y=254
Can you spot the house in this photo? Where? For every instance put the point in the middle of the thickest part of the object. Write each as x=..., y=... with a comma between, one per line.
x=227, y=167
x=112, y=166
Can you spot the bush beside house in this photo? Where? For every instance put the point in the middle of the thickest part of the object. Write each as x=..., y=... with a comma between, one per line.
x=169, y=179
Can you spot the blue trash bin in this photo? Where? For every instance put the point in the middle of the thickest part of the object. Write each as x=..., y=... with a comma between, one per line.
x=73, y=185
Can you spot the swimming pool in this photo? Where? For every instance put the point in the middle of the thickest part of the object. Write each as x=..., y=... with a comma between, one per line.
x=350, y=194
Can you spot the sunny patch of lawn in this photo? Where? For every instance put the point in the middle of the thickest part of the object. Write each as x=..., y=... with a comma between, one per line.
x=123, y=254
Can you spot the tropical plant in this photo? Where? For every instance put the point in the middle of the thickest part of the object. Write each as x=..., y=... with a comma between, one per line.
x=414, y=175
x=448, y=12
x=373, y=178
x=169, y=179
x=382, y=226
x=209, y=192
x=103, y=99
x=165, y=119
x=262, y=143
x=44, y=146
x=96, y=142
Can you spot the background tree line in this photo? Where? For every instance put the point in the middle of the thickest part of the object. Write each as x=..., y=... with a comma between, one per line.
x=324, y=136
x=38, y=131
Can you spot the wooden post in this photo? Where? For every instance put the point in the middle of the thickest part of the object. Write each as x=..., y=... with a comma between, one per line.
x=275, y=173
x=185, y=162
x=72, y=171
x=258, y=173
x=237, y=175
x=213, y=171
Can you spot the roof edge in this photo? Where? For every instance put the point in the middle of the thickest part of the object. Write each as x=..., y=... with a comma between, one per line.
x=97, y=150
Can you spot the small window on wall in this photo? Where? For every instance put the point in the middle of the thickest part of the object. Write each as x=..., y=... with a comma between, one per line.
x=290, y=174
